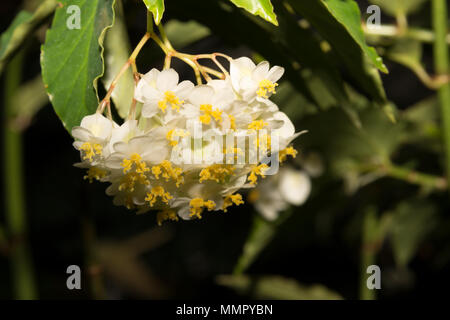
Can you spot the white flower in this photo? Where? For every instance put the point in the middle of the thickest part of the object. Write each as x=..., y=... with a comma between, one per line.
x=92, y=136
x=160, y=92
x=159, y=161
x=254, y=82
x=276, y=193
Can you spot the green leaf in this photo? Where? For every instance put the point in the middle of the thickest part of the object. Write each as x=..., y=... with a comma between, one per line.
x=22, y=17
x=29, y=99
x=156, y=7
x=338, y=21
x=117, y=52
x=411, y=223
x=182, y=34
x=399, y=7
x=21, y=28
x=72, y=60
x=262, y=8
x=276, y=287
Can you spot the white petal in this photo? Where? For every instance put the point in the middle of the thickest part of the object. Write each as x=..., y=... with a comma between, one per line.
x=150, y=108
x=202, y=94
x=261, y=71
x=275, y=73
x=288, y=129
x=167, y=80
x=81, y=134
x=183, y=89
x=295, y=186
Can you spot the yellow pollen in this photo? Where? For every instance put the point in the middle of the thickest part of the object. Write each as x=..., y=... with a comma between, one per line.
x=209, y=114
x=166, y=215
x=176, y=132
x=165, y=170
x=265, y=87
x=90, y=150
x=257, y=171
x=282, y=155
x=172, y=99
x=157, y=192
x=232, y=122
x=216, y=172
x=257, y=125
x=232, y=199
x=135, y=172
x=95, y=174
x=198, y=204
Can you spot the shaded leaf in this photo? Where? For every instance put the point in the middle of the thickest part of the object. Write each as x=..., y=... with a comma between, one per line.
x=182, y=34
x=71, y=60
x=338, y=21
x=411, y=223
x=156, y=7
x=262, y=8
x=22, y=26
x=398, y=7
x=276, y=287
x=117, y=51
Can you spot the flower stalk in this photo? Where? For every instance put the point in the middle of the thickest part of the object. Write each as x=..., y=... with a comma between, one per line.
x=441, y=59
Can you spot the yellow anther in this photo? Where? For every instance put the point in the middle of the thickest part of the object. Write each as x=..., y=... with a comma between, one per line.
x=216, y=172
x=265, y=87
x=257, y=171
x=166, y=215
x=90, y=150
x=166, y=170
x=135, y=172
x=172, y=99
x=155, y=193
x=178, y=133
x=198, y=204
x=95, y=173
x=232, y=122
x=232, y=199
x=209, y=114
x=257, y=125
x=289, y=151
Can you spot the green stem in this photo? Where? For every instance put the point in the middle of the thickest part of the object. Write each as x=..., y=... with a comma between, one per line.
x=414, y=177
x=439, y=12
x=368, y=253
x=393, y=31
x=93, y=267
x=22, y=33
x=21, y=265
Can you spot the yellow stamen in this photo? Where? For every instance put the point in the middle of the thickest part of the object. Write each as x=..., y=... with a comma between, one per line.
x=135, y=172
x=198, y=204
x=257, y=171
x=257, y=125
x=232, y=122
x=216, y=172
x=178, y=133
x=265, y=87
x=95, y=173
x=282, y=155
x=172, y=99
x=157, y=192
x=166, y=215
x=90, y=150
x=166, y=170
x=232, y=199
x=209, y=113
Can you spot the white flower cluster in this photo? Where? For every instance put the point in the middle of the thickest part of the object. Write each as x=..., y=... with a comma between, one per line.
x=137, y=156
